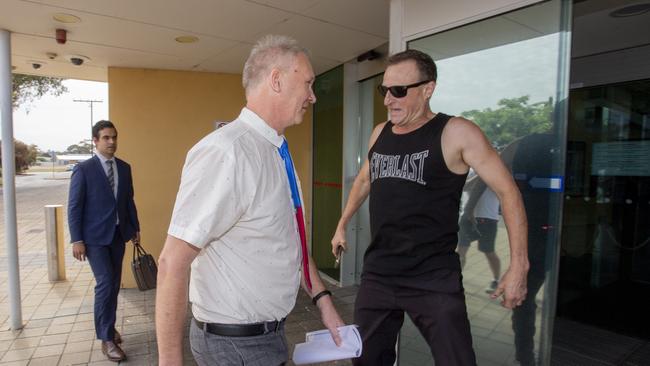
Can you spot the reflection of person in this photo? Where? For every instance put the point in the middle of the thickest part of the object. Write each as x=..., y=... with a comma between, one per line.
x=532, y=157
x=101, y=217
x=237, y=221
x=479, y=223
x=414, y=175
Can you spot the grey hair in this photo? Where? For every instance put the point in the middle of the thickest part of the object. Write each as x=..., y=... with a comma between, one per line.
x=269, y=52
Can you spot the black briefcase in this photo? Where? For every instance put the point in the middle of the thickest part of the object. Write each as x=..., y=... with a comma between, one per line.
x=144, y=268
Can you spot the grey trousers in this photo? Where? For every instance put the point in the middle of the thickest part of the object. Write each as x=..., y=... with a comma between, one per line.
x=263, y=350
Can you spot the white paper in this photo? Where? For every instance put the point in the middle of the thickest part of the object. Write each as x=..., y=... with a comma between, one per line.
x=320, y=347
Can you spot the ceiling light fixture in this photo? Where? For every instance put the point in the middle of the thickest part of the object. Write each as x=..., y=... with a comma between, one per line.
x=630, y=11
x=66, y=18
x=186, y=39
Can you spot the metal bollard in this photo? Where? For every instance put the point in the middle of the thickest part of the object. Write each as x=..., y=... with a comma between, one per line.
x=55, y=245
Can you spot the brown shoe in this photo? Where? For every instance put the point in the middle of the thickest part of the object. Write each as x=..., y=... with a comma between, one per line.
x=113, y=351
x=117, y=338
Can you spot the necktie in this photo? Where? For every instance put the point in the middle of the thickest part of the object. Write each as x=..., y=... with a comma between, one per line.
x=111, y=175
x=295, y=196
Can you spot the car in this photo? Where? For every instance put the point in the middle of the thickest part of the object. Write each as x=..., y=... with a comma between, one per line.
x=69, y=167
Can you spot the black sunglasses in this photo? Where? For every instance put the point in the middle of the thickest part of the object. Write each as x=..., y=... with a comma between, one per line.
x=399, y=91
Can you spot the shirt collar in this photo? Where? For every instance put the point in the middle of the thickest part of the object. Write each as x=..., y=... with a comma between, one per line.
x=260, y=126
x=104, y=159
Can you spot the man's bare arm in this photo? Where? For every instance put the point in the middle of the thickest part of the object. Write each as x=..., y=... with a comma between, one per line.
x=329, y=316
x=171, y=298
x=477, y=152
x=358, y=194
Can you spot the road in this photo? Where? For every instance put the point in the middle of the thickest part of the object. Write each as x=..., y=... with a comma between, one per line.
x=33, y=192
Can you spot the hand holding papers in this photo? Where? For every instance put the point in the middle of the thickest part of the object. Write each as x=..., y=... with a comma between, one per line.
x=320, y=346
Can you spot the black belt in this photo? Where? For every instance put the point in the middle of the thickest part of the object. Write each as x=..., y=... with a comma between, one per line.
x=241, y=330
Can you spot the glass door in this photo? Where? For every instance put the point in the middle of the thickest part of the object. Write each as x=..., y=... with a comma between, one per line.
x=507, y=75
x=372, y=112
x=327, y=167
x=605, y=263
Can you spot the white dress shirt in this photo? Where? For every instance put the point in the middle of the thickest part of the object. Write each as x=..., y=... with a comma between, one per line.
x=234, y=202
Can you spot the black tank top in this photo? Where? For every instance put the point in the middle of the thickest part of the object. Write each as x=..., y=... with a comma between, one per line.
x=414, y=203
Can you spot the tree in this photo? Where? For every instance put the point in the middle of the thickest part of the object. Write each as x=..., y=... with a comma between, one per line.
x=27, y=88
x=515, y=118
x=25, y=155
x=82, y=147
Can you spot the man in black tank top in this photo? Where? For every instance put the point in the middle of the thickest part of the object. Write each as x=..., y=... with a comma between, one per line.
x=414, y=175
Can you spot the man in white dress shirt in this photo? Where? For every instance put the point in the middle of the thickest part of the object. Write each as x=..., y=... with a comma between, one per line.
x=235, y=224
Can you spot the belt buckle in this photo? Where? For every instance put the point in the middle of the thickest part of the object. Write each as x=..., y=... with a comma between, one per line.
x=275, y=328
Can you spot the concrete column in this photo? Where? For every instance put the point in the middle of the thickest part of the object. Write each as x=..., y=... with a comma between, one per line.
x=55, y=243
x=8, y=181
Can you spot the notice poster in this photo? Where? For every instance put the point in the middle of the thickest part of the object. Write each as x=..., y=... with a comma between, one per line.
x=624, y=158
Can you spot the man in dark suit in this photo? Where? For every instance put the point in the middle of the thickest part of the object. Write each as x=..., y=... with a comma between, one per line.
x=102, y=217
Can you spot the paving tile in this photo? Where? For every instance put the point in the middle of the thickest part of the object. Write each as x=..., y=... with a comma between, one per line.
x=38, y=323
x=83, y=325
x=75, y=347
x=77, y=358
x=18, y=355
x=67, y=311
x=102, y=363
x=85, y=317
x=9, y=335
x=4, y=345
x=57, y=329
x=64, y=319
x=97, y=355
x=15, y=363
x=135, y=349
x=52, y=350
x=44, y=361
x=136, y=328
x=49, y=340
x=81, y=336
x=30, y=342
x=140, y=360
x=32, y=332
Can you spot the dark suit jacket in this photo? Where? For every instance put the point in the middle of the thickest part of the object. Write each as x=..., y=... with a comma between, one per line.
x=92, y=207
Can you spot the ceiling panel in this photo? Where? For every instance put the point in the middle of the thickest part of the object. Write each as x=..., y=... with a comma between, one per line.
x=229, y=61
x=373, y=22
x=543, y=18
x=140, y=34
x=598, y=32
x=289, y=5
x=230, y=19
x=328, y=40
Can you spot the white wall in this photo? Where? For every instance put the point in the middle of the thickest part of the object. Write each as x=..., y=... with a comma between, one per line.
x=411, y=19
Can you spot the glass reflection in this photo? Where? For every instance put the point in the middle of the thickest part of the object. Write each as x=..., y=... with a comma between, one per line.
x=504, y=81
